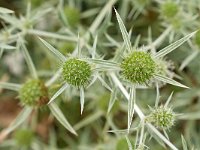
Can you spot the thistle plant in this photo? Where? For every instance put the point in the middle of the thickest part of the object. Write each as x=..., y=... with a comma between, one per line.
x=101, y=53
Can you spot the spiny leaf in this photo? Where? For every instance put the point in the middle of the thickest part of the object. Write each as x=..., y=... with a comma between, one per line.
x=60, y=56
x=169, y=81
x=125, y=34
x=60, y=117
x=173, y=46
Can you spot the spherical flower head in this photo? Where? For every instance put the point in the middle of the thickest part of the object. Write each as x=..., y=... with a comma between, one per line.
x=169, y=9
x=23, y=137
x=76, y=72
x=138, y=67
x=34, y=93
x=162, y=117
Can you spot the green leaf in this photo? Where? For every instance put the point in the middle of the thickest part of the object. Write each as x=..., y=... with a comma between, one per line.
x=60, y=117
x=173, y=46
x=22, y=116
x=169, y=81
x=125, y=34
x=60, y=56
x=5, y=11
x=10, y=86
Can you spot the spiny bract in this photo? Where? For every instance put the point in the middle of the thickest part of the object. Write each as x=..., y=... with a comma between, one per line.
x=162, y=117
x=169, y=9
x=76, y=72
x=34, y=93
x=138, y=67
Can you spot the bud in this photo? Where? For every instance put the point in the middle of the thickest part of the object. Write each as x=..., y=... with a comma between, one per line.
x=162, y=117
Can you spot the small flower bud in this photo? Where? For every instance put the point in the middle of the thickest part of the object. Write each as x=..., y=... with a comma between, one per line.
x=162, y=117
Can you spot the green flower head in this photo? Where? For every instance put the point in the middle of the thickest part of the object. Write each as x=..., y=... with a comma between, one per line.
x=162, y=117
x=138, y=67
x=34, y=93
x=76, y=72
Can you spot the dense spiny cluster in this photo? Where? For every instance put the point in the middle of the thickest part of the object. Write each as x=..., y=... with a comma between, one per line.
x=76, y=72
x=138, y=67
x=34, y=93
x=162, y=117
x=169, y=9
